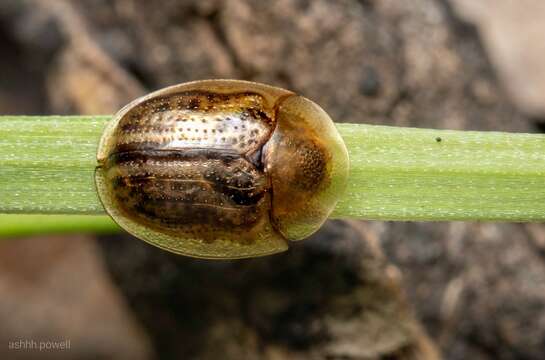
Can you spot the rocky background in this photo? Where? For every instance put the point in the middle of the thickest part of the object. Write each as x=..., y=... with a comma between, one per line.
x=356, y=290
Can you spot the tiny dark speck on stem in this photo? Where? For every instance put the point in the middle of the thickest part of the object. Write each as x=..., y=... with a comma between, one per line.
x=438, y=139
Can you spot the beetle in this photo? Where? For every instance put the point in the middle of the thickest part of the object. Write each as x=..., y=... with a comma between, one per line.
x=221, y=169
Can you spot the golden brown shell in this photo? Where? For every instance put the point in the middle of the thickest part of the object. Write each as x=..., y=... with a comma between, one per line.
x=221, y=168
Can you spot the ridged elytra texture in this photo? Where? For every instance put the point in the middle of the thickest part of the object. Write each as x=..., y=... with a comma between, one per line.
x=200, y=168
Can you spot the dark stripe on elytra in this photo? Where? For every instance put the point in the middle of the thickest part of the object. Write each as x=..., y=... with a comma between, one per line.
x=236, y=192
x=237, y=196
x=190, y=190
x=181, y=214
x=190, y=154
x=178, y=184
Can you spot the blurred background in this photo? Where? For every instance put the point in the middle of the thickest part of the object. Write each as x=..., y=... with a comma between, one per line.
x=356, y=290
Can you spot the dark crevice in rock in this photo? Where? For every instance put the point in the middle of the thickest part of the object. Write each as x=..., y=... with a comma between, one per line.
x=466, y=34
x=214, y=18
x=403, y=92
x=22, y=84
x=140, y=74
x=538, y=124
x=368, y=5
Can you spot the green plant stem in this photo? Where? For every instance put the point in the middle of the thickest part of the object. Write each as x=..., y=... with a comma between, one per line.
x=17, y=225
x=429, y=175
x=47, y=165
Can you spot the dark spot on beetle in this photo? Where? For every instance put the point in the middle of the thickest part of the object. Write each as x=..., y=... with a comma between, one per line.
x=118, y=181
x=130, y=126
x=257, y=114
x=244, y=115
x=161, y=106
x=193, y=103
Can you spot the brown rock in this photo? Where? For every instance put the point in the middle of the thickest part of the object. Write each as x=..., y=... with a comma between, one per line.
x=54, y=290
x=512, y=32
